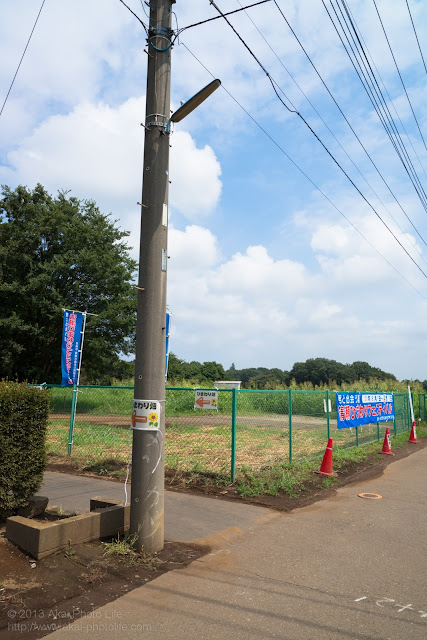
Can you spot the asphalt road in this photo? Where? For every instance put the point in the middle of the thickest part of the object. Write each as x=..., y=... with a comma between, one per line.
x=346, y=568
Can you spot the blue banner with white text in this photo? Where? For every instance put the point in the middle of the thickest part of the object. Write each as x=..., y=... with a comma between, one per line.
x=355, y=409
x=70, y=354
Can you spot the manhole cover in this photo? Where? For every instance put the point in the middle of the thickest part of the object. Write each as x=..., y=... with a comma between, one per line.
x=370, y=496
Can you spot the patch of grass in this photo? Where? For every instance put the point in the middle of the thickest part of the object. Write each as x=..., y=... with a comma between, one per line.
x=329, y=482
x=122, y=548
x=291, y=479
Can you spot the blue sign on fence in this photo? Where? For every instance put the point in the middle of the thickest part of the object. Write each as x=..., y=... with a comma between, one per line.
x=71, y=338
x=355, y=409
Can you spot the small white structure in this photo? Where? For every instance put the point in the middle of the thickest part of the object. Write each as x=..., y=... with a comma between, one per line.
x=227, y=384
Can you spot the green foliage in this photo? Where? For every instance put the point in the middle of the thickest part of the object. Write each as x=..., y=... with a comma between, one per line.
x=206, y=373
x=123, y=548
x=313, y=374
x=320, y=371
x=23, y=422
x=60, y=253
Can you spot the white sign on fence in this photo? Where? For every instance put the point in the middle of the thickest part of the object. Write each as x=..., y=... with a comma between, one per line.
x=206, y=400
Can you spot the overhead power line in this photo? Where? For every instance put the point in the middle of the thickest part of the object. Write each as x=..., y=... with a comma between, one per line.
x=386, y=91
x=321, y=142
x=280, y=148
x=134, y=14
x=398, y=71
x=229, y=13
x=22, y=57
x=346, y=119
x=415, y=31
x=338, y=142
x=370, y=84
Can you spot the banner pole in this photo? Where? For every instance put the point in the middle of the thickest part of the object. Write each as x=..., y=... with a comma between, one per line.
x=410, y=404
x=76, y=390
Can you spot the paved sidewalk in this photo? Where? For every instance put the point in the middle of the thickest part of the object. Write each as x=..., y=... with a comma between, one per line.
x=187, y=517
x=345, y=568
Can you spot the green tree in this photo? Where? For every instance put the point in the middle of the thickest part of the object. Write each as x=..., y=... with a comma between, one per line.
x=60, y=253
x=322, y=371
x=211, y=371
x=176, y=368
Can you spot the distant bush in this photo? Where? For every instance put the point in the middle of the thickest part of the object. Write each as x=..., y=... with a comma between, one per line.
x=24, y=413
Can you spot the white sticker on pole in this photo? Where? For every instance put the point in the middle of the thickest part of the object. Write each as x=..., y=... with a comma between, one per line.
x=206, y=400
x=146, y=414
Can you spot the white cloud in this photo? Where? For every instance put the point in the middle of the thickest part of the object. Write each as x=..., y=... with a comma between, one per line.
x=195, y=174
x=97, y=150
x=194, y=249
x=255, y=310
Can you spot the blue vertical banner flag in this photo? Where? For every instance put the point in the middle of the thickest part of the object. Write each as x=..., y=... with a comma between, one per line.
x=168, y=327
x=71, y=339
x=355, y=409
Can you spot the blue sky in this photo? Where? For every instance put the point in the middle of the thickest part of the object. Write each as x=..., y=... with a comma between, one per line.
x=263, y=270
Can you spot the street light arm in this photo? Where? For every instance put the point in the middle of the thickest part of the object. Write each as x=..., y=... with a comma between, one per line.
x=194, y=102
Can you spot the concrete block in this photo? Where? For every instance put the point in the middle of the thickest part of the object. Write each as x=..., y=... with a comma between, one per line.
x=103, y=503
x=36, y=506
x=41, y=539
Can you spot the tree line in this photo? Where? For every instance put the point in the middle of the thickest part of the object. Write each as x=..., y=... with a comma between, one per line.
x=315, y=371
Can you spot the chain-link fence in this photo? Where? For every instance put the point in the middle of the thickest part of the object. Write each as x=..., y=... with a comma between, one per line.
x=249, y=429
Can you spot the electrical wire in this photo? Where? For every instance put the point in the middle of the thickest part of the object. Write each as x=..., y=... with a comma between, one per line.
x=22, y=57
x=398, y=71
x=416, y=35
x=128, y=464
x=136, y=16
x=158, y=431
x=229, y=13
x=322, y=143
x=345, y=117
x=377, y=99
x=385, y=89
x=305, y=174
x=336, y=139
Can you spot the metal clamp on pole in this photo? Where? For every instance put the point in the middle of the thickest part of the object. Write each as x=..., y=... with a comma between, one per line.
x=152, y=120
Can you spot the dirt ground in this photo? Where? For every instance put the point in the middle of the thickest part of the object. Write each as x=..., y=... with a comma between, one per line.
x=36, y=597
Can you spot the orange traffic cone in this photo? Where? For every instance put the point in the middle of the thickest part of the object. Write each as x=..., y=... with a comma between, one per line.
x=387, y=446
x=326, y=466
x=413, y=436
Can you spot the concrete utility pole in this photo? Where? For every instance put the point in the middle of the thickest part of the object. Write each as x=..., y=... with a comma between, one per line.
x=148, y=417
x=147, y=486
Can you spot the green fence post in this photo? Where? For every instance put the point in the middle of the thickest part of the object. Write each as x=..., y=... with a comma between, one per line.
x=357, y=435
x=290, y=425
x=72, y=419
x=233, y=433
x=327, y=414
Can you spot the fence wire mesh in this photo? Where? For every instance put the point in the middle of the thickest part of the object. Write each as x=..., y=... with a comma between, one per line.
x=250, y=430
x=197, y=439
